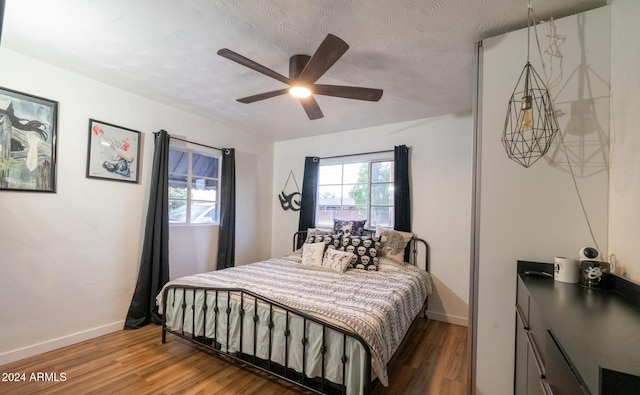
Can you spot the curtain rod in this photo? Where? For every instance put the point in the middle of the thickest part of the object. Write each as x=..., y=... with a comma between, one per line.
x=202, y=145
x=363, y=153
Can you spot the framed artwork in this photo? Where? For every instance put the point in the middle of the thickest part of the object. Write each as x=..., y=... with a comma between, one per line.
x=114, y=152
x=28, y=128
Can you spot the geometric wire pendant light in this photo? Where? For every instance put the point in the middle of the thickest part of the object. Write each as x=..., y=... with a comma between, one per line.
x=531, y=124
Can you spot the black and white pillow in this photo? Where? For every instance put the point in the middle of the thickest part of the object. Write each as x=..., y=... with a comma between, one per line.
x=366, y=250
x=315, y=235
x=348, y=228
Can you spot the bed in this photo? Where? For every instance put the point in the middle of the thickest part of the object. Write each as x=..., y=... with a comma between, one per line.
x=325, y=331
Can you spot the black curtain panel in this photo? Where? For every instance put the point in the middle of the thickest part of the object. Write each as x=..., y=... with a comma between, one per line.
x=401, y=190
x=227, y=232
x=309, y=194
x=154, y=262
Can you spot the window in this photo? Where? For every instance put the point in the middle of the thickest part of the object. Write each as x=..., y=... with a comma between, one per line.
x=356, y=191
x=193, y=187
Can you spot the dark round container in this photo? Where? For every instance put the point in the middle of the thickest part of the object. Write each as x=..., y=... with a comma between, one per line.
x=594, y=274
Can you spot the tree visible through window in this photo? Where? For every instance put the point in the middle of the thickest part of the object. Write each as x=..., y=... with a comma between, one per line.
x=193, y=187
x=356, y=191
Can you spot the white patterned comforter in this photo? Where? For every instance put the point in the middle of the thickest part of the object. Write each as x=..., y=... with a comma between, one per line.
x=378, y=305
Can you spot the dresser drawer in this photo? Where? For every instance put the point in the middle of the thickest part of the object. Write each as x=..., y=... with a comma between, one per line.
x=559, y=373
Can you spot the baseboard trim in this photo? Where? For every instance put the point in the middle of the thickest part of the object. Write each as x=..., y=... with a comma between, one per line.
x=450, y=319
x=50, y=345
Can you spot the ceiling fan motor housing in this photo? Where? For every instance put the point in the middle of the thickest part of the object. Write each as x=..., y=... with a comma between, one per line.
x=297, y=63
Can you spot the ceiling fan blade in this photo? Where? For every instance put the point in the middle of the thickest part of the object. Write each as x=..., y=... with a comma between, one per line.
x=331, y=49
x=311, y=107
x=229, y=54
x=348, y=92
x=262, y=96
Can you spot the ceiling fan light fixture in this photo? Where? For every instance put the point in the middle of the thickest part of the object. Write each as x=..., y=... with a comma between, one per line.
x=304, y=71
x=300, y=91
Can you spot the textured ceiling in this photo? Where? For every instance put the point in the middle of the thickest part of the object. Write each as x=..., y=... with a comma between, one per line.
x=420, y=52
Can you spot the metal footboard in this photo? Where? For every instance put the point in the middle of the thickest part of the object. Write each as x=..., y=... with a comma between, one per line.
x=218, y=301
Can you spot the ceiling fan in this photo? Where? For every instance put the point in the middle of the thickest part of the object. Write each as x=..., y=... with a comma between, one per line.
x=304, y=71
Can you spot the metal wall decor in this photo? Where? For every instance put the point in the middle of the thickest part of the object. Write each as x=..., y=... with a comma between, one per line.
x=531, y=124
x=290, y=201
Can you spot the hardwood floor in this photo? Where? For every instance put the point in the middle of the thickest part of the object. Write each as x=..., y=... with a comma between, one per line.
x=432, y=361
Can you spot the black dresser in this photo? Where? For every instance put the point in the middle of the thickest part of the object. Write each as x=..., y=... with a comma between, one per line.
x=575, y=340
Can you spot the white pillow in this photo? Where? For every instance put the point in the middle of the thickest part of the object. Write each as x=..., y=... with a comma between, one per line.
x=336, y=260
x=312, y=254
x=395, y=243
x=388, y=264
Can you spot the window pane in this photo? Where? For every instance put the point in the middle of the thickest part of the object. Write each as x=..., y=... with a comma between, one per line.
x=330, y=195
x=382, y=172
x=330, y=174
x=177, y=186
x=325, y=216
x=328, y=205
x=382, y=216
x=177, y=180
x=350, y=190
x=204, y=166
x=204, y=189
x=355, y=194
x=353, y=213
x=178, y=161
x=381, y=194
x=203, y=212
x=356, y=172
x=177, y=211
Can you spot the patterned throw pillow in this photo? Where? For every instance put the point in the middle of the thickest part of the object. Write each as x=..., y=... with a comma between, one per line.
x=395, y=243
x=316, y=235
x=312, y=254
x=336, y=260
x=347, y=228
x=366, y=250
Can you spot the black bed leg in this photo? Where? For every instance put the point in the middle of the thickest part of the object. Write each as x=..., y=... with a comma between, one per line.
x=424, y=309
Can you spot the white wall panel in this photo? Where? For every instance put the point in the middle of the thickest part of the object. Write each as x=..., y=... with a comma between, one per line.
x=69, y=260
x=534, y=213
x=440, y=198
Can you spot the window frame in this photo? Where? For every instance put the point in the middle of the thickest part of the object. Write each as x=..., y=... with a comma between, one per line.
x=190, y=151
x=369, y=160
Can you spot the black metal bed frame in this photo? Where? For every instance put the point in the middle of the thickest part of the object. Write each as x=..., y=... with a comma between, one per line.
x=320, y=385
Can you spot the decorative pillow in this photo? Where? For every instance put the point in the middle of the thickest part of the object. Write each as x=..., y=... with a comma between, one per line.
x=388, y=264
x=333, y=242
x=336, y=260
x=366, y=250
x=347, y=228
x=312, y=254
x=316, y=235
x=395, y=243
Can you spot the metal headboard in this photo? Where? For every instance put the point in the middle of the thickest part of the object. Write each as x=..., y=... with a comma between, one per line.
x=416, y=247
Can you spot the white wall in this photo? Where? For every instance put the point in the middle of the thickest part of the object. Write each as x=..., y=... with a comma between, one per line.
x=624, y=215
x=69, y=260
x=440, y=198
x=534, y=214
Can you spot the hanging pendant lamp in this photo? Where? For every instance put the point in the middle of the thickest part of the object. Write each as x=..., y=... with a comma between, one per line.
x=531, y=124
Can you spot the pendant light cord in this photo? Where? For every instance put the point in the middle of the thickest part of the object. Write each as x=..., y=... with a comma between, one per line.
x=562, y=142
x=529, y=12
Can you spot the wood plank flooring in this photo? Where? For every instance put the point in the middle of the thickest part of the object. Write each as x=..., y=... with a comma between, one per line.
x=432, y=361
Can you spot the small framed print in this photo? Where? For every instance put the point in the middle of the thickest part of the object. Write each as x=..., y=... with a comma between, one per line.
x=114, y=152
x=28, y=132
